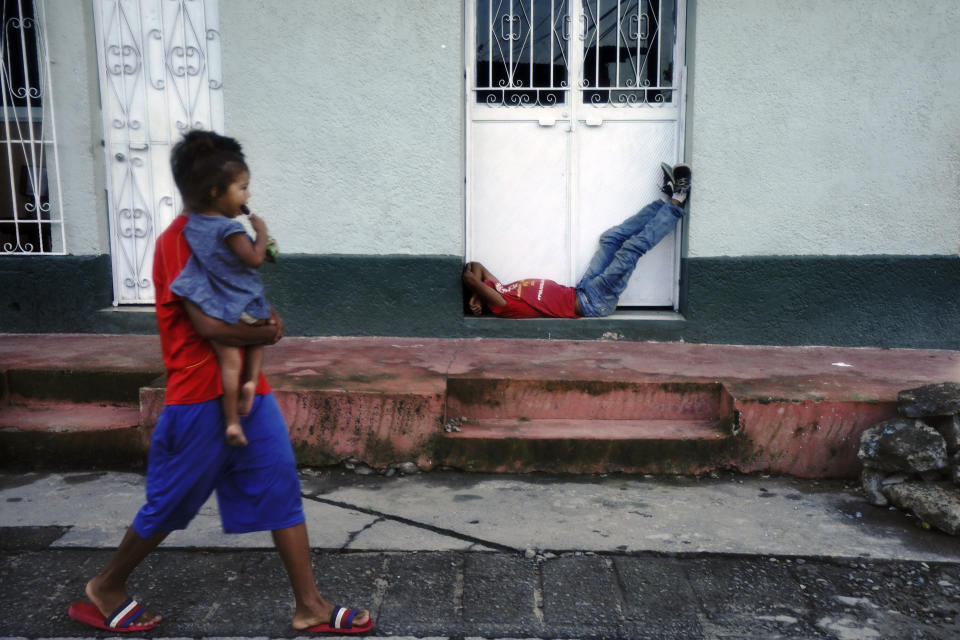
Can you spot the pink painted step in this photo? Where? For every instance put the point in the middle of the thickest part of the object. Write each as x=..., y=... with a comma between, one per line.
x=42, y=415
x=480, y=399
x=45, y=434
x=578, y=426
x=567, y=429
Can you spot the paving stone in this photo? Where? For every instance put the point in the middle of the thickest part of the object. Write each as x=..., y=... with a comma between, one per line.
x=498, y=596
x=422, y=594
x=41, y=585
x=29, y=538
x=244, y=594
x=241, y=594
x=581, y=597
x=658, y=600
x=351, y=580
x=759, y=597
x=876, y=596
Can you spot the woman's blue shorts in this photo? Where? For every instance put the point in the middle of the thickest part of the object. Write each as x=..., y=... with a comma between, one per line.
x=257, y=486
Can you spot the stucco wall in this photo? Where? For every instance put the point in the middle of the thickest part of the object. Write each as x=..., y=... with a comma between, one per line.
x=825, y=127
x=350, y=113
x=73, y=71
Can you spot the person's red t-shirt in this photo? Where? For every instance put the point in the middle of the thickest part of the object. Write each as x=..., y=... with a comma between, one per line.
x=535, y=299
x=193, y=374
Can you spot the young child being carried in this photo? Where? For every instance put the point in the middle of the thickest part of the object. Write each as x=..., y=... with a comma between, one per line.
x=221, y=276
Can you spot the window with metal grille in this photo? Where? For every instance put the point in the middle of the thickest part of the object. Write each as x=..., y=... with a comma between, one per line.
x=609, y=52
x=30, y=212
x=522, y=51
x=628, y=54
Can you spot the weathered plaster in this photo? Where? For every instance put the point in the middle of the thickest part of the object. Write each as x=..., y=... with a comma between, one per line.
x=825, y=128
x=350, y=113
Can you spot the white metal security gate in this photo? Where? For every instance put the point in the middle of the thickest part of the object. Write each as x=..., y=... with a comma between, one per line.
x=31, y=207
x=571, y=105
x=160, y=76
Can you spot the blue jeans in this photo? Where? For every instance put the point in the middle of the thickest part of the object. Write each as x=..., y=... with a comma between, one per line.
x=615, y=259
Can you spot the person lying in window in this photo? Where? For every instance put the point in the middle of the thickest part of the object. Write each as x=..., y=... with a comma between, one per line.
x=599, y=289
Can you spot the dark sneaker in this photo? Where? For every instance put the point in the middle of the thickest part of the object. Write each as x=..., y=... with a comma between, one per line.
x=667, y=182
x=680, y=186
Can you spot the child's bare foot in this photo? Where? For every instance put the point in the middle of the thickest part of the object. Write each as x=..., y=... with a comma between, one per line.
x=235, y=437
x=107, y=601
x=248, y=391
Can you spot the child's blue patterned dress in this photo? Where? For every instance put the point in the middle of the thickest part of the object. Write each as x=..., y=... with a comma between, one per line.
x=215, y=278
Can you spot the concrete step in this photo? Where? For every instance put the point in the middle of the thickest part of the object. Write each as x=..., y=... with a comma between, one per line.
x=342, y=404
x=590, y=446
x=45, y=434
x=579, y=429
x=483, y=398
x=76, y=384
x=588, y=426
x=73, y=417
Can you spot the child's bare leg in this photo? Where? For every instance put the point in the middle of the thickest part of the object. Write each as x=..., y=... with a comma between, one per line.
x=251, y=373
x=231, y=365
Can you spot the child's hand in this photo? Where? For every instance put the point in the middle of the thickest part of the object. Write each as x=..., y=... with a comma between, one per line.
x=258, y=224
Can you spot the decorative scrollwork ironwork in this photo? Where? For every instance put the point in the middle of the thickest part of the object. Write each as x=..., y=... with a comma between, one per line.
x=521, y=97
x=124, y=66
x=213, y=83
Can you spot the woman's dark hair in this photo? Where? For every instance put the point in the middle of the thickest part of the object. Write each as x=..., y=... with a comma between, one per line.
x=204, y=164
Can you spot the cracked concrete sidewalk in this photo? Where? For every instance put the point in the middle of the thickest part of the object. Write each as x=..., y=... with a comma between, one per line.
x=452, y=511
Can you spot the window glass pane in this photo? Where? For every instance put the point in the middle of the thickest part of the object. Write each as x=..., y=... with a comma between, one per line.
x=522, y=48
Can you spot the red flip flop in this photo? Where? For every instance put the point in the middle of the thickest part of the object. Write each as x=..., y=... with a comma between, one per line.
x=123, y=620
x=341, y=621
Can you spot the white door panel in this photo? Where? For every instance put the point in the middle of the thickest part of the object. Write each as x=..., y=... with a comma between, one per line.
x=571, y=106
x=619, y=172
x=520, y=237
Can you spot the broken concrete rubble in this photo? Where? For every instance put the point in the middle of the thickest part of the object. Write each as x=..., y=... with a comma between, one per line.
x=902, y=444
x=930, y=400
x=937, y=503
x=914, y=462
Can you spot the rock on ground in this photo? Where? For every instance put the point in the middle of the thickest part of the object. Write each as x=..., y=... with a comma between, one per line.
x=937, y=503
x=903, y=444
x=930, y=400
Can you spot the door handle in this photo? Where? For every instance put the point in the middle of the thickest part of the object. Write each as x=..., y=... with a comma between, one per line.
x=593, y=122
x=547, y=122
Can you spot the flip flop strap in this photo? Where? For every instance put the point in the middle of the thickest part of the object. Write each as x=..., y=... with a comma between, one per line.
x=342, y=618
x=125, y=614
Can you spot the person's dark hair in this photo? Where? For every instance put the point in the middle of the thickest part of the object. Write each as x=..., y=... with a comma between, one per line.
x=204, y=163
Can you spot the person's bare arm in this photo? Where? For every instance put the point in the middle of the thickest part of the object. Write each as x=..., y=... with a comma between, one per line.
x=253, y=253
x=474, y=275
x=235, y=335
x=480, y=271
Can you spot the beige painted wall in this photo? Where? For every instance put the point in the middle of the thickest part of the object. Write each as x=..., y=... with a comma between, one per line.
x=351, y=114
x=825, y=127
x=816, y=128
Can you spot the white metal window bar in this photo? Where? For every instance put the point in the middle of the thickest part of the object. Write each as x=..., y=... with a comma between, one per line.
x=31, y=210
